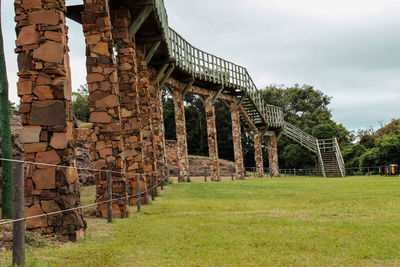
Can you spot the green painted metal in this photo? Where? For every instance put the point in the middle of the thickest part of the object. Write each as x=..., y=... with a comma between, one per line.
x=140, y=19
x=6, y=149
x=152, y=51
x=167, y=74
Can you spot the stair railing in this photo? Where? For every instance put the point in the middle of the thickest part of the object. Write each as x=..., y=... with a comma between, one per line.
x=319, y=155
x=304, y=139
x=340, y=159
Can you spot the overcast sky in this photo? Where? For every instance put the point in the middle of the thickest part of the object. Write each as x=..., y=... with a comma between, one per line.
x=349, y=49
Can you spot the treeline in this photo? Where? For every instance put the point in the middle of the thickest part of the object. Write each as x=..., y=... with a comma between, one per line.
x=374, y=148
x=303, y=106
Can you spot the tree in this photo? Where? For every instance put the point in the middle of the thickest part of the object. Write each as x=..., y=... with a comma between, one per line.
x=352, y=155
x=306, y=108
x=14, y=109
x=323, y=131
x=80, y=103
x=294, y=156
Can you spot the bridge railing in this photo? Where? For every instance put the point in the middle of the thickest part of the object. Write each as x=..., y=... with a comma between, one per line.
x=163, y=17
x=210, y=68
x=304, y=139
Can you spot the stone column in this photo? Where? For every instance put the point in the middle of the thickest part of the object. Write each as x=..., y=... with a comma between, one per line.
x=272, y=154
x=48, y=131
x=157, y=121
x=146, y=110
x=237, y=141
x=181, y=136
x=128, y=88
x=258, y=154
x=212, y=139
x=104, y=101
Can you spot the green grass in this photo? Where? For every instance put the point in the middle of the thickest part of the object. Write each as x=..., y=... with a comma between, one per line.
x=261, y=222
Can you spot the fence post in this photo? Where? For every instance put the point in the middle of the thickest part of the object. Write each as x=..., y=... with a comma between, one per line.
x=162, y=178
x=254, y=173
x=167, y=174
x=18, y=213
x=294, y=171
x=153, y=184
x=232, y=175
x=109, y=194
x=139, y=208
x=205, y=174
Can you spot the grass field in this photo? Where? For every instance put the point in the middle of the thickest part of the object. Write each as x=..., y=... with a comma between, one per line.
x=261, y=222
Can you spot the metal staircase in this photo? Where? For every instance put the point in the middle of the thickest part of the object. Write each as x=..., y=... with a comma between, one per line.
x=330, y=160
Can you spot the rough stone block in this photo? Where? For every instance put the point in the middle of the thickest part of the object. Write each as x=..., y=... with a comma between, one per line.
x=35, y=147
x=50, y=52
x=49, y=206
x=30, y=134
x=24, y=88
x=59, y=141
x=49, y=157
x=108, y=101
x=100, y=117
x=49, y=112
x=44, y=178
x=28, y=35
x=43, y=92
x=43, y=16
x=40, y=222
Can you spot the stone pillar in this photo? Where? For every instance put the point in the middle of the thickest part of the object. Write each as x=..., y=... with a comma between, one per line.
x=272, y=153
x=258, y=154
x=181, y=136
x=48, y=131
x=157, y=121
x=237, y=141
x=104, y=101
x=146, y=110
x=212, y=139
x=128, y=88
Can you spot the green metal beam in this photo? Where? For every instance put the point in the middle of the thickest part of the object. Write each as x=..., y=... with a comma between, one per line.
x=140, y=19
x=219, y=92
x=161, y=72
x=152, y=51
x=167, y=74
x=187, y=87
x=6, y=149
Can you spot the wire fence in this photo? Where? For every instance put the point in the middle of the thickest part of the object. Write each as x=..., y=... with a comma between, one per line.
x=314, y=172
x=164, y=178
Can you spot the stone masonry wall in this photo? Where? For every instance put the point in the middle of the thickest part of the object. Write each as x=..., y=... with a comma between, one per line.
x=157, y=121
x=237, y=141
x=104, y=101
x=258, y=154
x=181, y=137
x=128, y=87
x=272, y=153
x=212, y=139
x=48, y=131
x=146, y=111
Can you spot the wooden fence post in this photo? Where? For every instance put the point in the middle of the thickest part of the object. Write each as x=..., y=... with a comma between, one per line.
x=232, y=175
x=162, y=178
x=18, y=213
x=139, y=208
x=109, y=194
x=167, y=174
x=153, y=185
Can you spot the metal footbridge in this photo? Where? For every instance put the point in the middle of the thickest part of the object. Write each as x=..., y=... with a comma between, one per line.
x=170, y=53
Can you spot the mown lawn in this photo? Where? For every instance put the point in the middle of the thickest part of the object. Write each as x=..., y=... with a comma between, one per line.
x=260, y=222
